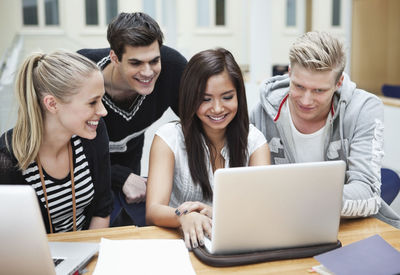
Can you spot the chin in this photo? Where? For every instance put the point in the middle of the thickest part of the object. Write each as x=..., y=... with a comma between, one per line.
x=146, y=91
x=90, y=135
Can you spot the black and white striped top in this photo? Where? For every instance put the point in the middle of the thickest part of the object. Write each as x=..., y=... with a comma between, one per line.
x=59, y=192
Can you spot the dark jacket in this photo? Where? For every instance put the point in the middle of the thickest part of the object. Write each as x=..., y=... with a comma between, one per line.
x=126, y=128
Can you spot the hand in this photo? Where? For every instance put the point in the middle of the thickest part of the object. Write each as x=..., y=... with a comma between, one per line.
x=194, y=225
x=135, y=189
x=194, y=206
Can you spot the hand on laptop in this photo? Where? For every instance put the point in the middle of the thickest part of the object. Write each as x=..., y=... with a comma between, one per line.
x=195, y=226
x=194, y=206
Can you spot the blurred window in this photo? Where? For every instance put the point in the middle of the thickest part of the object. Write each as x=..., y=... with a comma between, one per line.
x=290, y=13
x=111, y=10
x=92, y=12
x=211, y=13
x=51, y=12
x=336, y=13
x=30, y=12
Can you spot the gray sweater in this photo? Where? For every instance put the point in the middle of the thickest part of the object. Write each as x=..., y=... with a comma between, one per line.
x=355, y=135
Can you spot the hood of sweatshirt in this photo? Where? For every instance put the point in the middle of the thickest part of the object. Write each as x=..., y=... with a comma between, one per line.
x=274, y=91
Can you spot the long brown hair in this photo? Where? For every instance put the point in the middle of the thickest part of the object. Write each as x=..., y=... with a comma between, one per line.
x=191, y=94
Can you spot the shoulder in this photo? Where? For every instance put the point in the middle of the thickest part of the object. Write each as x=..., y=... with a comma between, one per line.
x=171, y=133
x=9, y=172
x=6, y=142
x=255, y=139
x=95, y=54
x=170, y=129
x=364, y=103
x=255, y=135
x=172, y=57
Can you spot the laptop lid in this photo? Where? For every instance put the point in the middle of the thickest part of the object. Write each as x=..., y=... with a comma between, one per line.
x=276, y=206
x=24, y=247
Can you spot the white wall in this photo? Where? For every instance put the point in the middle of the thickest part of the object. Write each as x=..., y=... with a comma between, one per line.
x=9, y=23
x=392, y=140
x=192, y=39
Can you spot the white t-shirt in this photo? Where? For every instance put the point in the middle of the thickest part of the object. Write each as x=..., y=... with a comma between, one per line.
x=183, y=187
x=308, y=147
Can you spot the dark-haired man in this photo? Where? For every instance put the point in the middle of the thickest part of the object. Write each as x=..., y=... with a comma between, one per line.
x=141, y=79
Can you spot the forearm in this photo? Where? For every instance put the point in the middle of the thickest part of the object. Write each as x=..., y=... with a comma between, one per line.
x=162, y=215
x=361, y=193
x=99, y=222
x=359, y=200
x=119, y=175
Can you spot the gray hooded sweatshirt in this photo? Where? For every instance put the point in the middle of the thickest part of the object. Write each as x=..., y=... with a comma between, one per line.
x=355, y=136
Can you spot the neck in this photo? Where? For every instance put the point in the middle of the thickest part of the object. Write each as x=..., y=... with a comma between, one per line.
x=217, y=139
x=308, y=126
x=115, y=86
x=55, y=140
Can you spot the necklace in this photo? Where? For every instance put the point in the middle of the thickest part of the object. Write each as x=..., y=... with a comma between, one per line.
x=71, y=169
x=112, y=87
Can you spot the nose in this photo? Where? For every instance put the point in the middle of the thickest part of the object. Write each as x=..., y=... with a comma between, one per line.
x=307, y=98
x=101, y=110
x=217, y=107
x=146, y=71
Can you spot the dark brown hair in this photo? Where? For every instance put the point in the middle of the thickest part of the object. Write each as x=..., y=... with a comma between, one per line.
x=133, y=29
x=191, y=94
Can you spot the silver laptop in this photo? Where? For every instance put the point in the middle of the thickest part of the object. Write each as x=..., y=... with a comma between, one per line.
x=276, y=206
x=24, y=248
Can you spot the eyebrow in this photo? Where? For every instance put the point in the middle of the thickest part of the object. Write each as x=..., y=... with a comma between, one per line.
x=95, y=97
x=320, y=88
x=224, y=93
x=138, y=60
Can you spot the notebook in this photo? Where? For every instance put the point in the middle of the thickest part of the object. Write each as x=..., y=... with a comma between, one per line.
x=276, y=206
x=24, y=247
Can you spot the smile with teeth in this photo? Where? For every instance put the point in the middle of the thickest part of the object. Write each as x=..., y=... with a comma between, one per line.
x=144, y=81
x=217, y=118
x=93, y=122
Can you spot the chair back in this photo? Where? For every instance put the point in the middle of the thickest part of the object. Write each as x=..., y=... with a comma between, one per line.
x=390, y=185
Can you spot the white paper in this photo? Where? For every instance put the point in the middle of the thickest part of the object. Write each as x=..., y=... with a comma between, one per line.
x=143, y=257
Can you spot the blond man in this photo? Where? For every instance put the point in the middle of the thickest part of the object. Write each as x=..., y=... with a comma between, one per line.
x=316, y=113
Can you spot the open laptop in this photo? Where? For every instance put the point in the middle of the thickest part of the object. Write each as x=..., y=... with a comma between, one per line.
x=276, y=206
x=24, y=248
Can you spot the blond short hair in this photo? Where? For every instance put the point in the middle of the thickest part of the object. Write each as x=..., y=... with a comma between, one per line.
x=318, y=51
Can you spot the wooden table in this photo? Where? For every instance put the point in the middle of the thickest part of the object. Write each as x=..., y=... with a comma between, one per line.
x=350, y=231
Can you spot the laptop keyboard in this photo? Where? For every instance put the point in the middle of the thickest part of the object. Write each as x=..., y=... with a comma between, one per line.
x=57, y=261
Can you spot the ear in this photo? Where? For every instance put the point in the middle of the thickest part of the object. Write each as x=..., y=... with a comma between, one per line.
x=113, y=57
x=50, y=103
x=340, y=82
x=289, y=70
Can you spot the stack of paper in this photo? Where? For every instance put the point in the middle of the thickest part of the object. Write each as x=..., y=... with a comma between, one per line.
x=143, y=257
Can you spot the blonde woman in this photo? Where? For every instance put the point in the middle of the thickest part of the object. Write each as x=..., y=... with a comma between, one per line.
x=59, y=144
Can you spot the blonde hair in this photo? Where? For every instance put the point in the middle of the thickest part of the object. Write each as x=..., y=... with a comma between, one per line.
x=59, y=74
x=318, y=51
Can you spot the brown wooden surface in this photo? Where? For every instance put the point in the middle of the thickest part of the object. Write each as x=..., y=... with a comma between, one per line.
x=390, y=101
x=350, y=231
